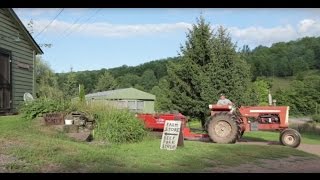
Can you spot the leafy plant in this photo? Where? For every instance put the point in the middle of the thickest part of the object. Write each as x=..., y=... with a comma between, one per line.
x=113, y=125
x=39, y=107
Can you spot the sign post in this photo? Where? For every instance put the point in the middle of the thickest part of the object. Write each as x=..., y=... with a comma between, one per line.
x=172, y=133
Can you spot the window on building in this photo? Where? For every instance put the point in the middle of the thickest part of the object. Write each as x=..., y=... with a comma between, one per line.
x=135, y=105
x=140, y=105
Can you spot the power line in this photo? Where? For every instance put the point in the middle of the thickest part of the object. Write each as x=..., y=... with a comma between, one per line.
x=89, y=19
x=61, y=35
x=50, y=23
x=70, y=27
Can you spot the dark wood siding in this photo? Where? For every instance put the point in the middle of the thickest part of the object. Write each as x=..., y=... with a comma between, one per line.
x=21, y=56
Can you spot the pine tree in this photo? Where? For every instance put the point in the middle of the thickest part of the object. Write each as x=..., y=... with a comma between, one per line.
x=229, y=73
x=210, y=65
x=187, y=78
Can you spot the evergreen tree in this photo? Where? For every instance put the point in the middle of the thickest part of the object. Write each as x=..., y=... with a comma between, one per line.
x=187, y=80
x=229, y=74
x=210, y=66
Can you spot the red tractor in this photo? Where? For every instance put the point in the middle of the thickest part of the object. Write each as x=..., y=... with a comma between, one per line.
x=227, y=123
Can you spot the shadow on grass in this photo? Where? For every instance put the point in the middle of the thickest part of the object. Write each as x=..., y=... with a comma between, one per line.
x=258, y=140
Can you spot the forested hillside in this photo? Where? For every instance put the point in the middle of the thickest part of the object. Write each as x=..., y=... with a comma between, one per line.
x=285, y=59
x=143, y=76
x=208, y=64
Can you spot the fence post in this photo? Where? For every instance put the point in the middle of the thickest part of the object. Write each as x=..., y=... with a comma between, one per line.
x=181, y=138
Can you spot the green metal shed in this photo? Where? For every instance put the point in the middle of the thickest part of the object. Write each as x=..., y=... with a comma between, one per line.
x=131, y=98
x=17, y=55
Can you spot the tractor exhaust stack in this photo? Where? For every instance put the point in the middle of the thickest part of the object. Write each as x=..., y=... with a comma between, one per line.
x=270, y=98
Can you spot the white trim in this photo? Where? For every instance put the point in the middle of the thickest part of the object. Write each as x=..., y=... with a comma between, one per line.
x=264, y=111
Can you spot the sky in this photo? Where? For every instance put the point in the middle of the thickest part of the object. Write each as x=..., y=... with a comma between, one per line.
x=95, y=38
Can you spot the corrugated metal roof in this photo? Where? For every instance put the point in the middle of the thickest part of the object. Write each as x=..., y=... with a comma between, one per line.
x=126, y=93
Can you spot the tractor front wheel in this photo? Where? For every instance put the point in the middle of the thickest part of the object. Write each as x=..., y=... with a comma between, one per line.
x=290, y=137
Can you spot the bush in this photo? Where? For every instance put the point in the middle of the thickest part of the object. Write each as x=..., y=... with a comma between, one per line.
x=114, y=125
x=309, y=127
x=316, y=117
x=39, y=107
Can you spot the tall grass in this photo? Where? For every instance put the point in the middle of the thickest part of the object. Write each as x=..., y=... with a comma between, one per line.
x=113, y=125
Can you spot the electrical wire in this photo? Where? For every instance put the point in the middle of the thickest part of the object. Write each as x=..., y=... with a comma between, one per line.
x=50, y=23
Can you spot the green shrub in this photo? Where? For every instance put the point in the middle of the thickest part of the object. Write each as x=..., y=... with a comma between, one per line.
x=309, y=127
x=114, y=125
x=39, y=107
x=316, y=117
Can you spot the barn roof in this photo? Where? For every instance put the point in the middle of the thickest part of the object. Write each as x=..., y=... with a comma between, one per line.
x=126, y=93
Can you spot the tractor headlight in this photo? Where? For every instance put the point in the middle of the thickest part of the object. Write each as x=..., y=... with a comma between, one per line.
x=210, y=106
x=230, y=107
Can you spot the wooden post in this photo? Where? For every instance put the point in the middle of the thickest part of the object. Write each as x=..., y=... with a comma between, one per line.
x=181, y=138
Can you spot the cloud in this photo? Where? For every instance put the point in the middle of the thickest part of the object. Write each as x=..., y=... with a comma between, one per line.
x=102, y=29
x=112, y=30
x=40, y=12
x=263, y=36
x=253, y=35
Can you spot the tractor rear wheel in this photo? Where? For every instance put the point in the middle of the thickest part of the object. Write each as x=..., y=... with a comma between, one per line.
x=223, y=128
x=290, y=137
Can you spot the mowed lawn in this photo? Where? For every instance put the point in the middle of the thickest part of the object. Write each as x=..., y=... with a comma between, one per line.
x=37, y=149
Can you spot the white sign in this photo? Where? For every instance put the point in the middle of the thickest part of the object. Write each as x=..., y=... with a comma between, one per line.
x=160, y=121
x=170, y=135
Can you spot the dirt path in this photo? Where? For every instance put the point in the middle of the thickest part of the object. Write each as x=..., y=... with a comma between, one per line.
x=283, y=165
x=286, y=165
x=309, y=148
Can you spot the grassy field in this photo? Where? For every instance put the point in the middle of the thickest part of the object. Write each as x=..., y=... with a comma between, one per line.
x=39, y=149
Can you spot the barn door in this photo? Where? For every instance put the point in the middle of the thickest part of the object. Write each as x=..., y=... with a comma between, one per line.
x=5, y=85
